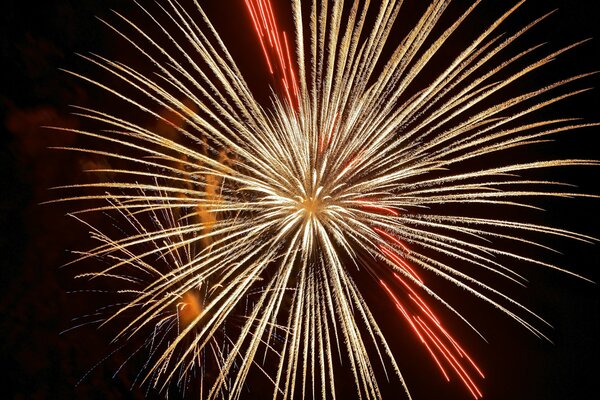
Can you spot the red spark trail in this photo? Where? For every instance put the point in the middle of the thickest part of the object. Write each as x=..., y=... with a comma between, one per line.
x=276, y=51
x=432, y=334
x=392, y=238
x=400, y=263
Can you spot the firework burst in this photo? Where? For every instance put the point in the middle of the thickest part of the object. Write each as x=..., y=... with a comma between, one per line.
x=246, y=234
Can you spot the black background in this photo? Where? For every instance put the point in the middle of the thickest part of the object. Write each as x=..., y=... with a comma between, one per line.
x=37, y=362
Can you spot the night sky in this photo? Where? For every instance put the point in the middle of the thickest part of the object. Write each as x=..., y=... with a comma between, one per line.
x=37, y=39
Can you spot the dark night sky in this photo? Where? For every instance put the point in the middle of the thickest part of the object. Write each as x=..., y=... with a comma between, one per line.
x=38, y=38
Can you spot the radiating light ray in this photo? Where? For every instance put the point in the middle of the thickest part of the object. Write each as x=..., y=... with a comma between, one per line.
x=247, y=230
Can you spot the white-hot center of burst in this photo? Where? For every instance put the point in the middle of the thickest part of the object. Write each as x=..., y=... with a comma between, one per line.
x=312, y=206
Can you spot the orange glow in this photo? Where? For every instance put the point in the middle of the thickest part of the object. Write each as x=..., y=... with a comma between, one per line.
x=190, y=307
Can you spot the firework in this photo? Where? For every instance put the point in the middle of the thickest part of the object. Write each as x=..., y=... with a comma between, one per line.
x=246, y=234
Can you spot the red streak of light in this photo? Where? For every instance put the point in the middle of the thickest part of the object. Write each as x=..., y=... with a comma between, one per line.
x=254, y=20
x=424, y=308
x=413, y=293
x=434, y=338
x=461, y=351
x=402, y=310
x=452, y=360
x=265, y=24
x=437, y=361
x=392, y=238
x=401, y=263
x=421, y=303
x=433, y=318
x=381, y=208
x=260, y=35
x=271, y=17
x=414, y=327
x=275, y=31
x=351, y=160
x=270, y=26
x=280, y=56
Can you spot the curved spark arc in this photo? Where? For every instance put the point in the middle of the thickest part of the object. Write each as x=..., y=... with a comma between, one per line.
x=280, y=205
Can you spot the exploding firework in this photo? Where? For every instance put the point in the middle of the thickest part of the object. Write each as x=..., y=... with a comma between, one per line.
x=249, y=238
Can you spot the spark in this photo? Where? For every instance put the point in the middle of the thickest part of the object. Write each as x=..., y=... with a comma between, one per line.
x=246, y=234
